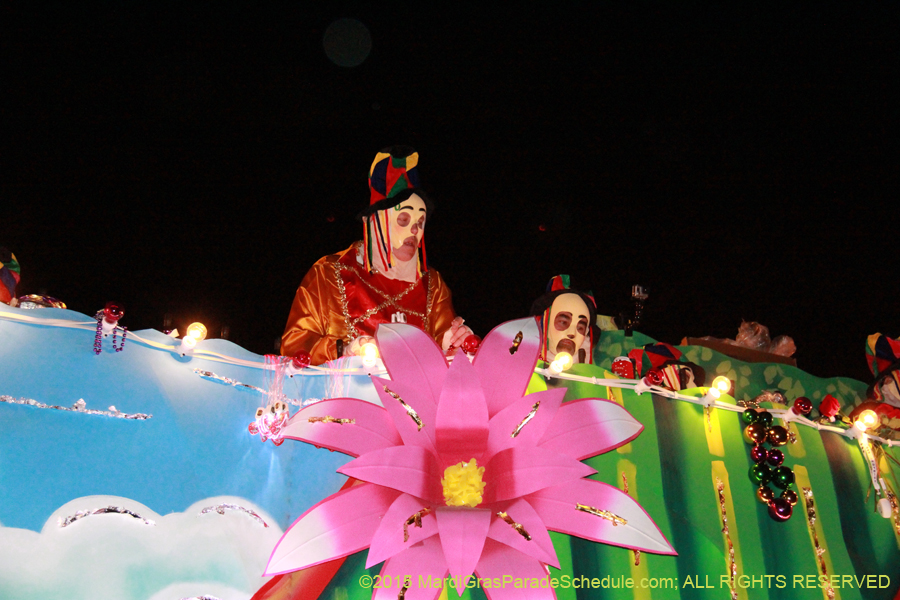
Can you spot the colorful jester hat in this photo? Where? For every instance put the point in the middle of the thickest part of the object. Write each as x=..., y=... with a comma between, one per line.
x=461, y=472
x=9, y=275
x=883, y=356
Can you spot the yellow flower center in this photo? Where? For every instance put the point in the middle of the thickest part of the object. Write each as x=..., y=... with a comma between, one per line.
x=463, y=484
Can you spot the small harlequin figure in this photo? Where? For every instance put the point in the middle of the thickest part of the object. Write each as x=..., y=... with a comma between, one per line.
x=883, y=354
x=9, y=276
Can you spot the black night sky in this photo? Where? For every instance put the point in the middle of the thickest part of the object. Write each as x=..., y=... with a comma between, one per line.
x=195, y=160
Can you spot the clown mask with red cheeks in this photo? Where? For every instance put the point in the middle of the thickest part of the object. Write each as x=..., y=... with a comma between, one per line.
x=407, y=227
x=568, y=325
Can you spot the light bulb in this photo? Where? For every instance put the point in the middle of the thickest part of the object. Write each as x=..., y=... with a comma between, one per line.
x=369, y=353
x=187, y=345
x=866, y=420
x=562, y=362
x=196, y=331
x=722, y=383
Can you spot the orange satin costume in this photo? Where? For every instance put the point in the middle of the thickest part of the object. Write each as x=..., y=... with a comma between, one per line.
x=339, y=300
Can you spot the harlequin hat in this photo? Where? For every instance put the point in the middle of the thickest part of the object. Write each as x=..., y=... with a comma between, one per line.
x=394, y=177
x=9, y=275
x=882, y=354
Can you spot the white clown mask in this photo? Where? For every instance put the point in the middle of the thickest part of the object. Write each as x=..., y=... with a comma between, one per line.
x=568, y=325
x=407, y=227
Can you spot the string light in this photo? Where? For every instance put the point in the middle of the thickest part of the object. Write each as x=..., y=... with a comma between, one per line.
x=369, y=352
x=196, y=331
x=561, y=363
x=867, y=419
x=722, y=384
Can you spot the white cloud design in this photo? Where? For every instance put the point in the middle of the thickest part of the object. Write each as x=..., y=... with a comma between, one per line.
x=118, y=556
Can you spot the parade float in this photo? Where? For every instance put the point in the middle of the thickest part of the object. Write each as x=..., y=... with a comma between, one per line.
x=390, y=452
x=139, y=465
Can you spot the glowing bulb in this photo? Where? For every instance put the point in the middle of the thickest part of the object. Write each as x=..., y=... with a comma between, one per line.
x=369, y=353
x=562, y=362
x=722, y=384
x=196, y=331
x=714, y=393
x=187, y=345
x=866, y=420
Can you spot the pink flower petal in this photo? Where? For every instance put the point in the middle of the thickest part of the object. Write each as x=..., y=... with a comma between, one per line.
x=411, y=356
x=462, y=531
x=409, y=469
x=590, y=426
x=557, y=507
x=338, y=526
x=505, y=376
x=461, y=428
x=388, y=539
x=416, y=398
x=515, y=472
x=372, y=428
x=512, y=575
x=539, y=547
x=425, y=565
x=505, y=422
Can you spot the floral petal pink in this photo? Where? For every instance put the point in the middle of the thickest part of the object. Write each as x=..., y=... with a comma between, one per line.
x=426, y=560
x=409, y=469
x=557, y=506
x=462, y=532
x=515, y=472
x=372, y=428
x=419, y=401
x=338, y=526
x=505, y=422
x=461, y=424
x=498, y=561
x=539, y=547
x=505, y=376
x=590, y=426
x=388, y=538
x=411, y=356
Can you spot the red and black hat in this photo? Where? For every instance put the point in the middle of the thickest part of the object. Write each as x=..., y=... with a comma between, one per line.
x=394, y=177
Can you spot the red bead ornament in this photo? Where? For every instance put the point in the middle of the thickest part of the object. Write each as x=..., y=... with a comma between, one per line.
x=301, y=360
x=654, y=377
x=780, y=509
x=471, y=343
x=759, y=454
x=112, y=312
x=775, y=458
x=777, y=435
x=802, y=406
x=110, y=316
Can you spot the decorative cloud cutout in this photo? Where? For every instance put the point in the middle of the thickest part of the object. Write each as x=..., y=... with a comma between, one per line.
x=134, y=553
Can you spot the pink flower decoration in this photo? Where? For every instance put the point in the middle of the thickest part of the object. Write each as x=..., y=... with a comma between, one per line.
x=435, y=417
